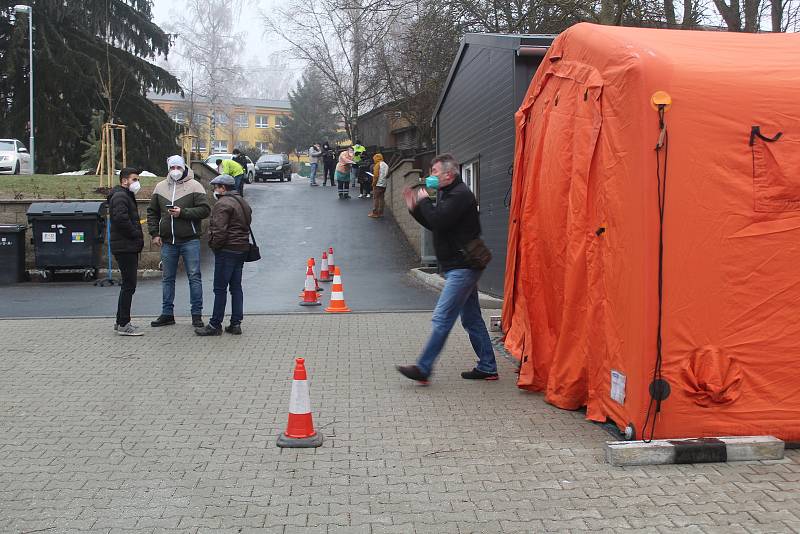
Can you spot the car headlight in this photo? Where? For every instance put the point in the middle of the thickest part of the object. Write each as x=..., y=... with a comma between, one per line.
x=279, y=167
x=5, y=158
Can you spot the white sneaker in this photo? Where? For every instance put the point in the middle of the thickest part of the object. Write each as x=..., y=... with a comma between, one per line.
x=369, y=196
x=361, y=196
x=129, y=330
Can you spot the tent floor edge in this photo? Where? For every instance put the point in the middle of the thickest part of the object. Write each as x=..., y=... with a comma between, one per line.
x=286, y=442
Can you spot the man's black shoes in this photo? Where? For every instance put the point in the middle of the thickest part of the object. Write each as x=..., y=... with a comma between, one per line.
x=478, y=375
x=163, y=320
x=234, y=329
x=208, y=330
x=197, y=321
x=413, y=372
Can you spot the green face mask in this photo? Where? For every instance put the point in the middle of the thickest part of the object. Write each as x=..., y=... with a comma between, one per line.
x=432, y=182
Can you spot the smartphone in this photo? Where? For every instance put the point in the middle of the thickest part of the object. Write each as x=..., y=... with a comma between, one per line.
x=170, y=206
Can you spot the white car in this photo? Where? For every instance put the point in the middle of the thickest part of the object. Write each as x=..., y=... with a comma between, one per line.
x=14, y=157
x=211, y=161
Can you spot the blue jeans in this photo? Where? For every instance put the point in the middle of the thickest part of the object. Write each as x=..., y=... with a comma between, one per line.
x=459, y=297
x=190, y=252
x=228, y=266
x=313, y=178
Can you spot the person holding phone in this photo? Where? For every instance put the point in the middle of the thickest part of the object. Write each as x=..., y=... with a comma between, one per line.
x=174, y=220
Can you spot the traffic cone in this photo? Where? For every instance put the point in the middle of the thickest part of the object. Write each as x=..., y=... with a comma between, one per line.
x=337, y=294
x=314, y=270
x=300, y=431
x=309, y=292
x=331, y=265
x=324, y=273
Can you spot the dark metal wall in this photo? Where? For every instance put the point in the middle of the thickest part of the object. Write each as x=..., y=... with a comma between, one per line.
x=476, y=120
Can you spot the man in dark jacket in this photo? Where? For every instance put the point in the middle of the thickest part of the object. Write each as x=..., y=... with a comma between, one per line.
x=174, y=219
x=453, y=219
x=127, y=241
x=241, y=159
x=229, y=238
x=329, y=161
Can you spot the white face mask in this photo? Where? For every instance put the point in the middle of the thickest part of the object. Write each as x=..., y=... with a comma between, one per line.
x=134, y=187
x=176, y=174
x=216, y=195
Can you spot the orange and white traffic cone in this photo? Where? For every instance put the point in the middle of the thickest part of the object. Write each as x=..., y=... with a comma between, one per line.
x=314, y=270
x=309, y=292
x=331, y=264
x=300, y=431
x=337, y=304
x=324, y=273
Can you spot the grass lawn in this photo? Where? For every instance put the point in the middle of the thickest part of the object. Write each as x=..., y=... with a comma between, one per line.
x=49, y=186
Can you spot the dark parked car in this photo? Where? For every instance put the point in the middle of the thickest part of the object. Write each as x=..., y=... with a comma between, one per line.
x=275, y=166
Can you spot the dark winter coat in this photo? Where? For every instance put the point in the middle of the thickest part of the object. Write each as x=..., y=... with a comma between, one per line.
x=453, y=219
x=230, y=223
x=126, y=228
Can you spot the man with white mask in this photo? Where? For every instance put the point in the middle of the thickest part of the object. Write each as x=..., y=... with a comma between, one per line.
x=127, y=241
x=174, y=220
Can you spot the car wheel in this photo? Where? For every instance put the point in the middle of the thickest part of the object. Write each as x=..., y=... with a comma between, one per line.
x=289, y=177
x=249, y=177
x=281, y=178
x=16, y=168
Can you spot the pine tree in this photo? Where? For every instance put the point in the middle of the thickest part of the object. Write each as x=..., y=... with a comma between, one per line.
x=79, y=45
x=313, y=119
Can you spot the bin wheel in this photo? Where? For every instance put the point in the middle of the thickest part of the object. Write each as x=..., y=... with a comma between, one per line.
x=47, y=275
x=89, y=274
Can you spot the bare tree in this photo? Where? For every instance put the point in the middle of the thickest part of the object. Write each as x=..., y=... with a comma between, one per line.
x=340, y=39
x=273, y=78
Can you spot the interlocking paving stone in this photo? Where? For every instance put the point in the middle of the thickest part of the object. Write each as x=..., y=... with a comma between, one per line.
x=175, y=433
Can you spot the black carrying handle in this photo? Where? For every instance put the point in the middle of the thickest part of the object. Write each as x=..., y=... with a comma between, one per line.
x=755, y=131
x=250, y=222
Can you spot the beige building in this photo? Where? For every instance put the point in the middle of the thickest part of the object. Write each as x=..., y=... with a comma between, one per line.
x=238, y=122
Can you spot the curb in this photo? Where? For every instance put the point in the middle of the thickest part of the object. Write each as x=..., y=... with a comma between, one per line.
x=435, y=281
x=694, y=450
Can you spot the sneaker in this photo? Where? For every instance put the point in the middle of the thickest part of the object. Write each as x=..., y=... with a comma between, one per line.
x=413, y=372
x=116, y=326
x=197, y=321
x=314, y=185
x=371, y=214
x=369, y=196
x=234, y=329
x=208, y=330
x=129, y=330
x=347, y=197
x=361, y=195
x=163, y=320
x=478, y=375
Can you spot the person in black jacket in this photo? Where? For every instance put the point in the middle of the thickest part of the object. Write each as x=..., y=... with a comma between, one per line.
x=241, y=159
x=127, y=241
x=329, y=161
x=453, y=218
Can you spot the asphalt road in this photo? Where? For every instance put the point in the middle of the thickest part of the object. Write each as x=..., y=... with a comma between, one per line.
x=292, y=222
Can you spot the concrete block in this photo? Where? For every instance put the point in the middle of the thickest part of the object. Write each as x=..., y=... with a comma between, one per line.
x=699, y=450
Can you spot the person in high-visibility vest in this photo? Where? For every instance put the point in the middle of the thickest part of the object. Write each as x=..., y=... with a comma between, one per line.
x=231, y=168
x=358, y=151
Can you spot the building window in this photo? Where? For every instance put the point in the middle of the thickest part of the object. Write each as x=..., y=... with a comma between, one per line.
x=220, y=146
x=278, y=122
x=263, y=146
x=469, y=174
x=220, y=118
x=242, y=120
x=262, y=121
x=199, y=118
x=179, y=117
x=198, y=145
x=241, y=144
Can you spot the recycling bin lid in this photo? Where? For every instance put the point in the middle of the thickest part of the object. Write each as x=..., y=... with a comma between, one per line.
x=12, y=228
x=49, y=209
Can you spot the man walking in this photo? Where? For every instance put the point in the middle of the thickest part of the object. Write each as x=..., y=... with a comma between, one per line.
x=329, y=161
x=229, y=238
x=127, y=241
x=314, y=153
x=453, y=219
x=174, y=218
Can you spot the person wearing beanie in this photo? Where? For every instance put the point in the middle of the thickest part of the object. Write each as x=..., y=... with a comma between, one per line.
x=174, y=220
x=380, y=175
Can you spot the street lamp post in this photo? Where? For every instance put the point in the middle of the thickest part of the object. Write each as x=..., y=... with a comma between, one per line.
x=22, y=8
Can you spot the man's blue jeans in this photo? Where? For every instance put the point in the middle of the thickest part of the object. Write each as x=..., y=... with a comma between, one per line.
x=190, y=252
x=228, y=266
x=313, y=178
x=459, y=297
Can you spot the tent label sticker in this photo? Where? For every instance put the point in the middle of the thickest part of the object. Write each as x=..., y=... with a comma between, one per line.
x=48, y=237
x=617, y=386
x=77, y=237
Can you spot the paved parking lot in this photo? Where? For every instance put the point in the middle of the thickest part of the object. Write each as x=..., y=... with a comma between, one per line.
x=172, y=432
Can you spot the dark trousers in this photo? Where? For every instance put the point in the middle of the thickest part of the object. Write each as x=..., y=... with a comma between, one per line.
x=329, y=170
x=344, y=189
x=128, y=263
x=228, y=266
x=366, y=187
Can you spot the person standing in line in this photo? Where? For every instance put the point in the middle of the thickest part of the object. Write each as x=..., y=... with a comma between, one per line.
x=453, y=219
x=127, y=241
x=314, y=153
x=231, y=168
x=358, y=151
x=380, y=178
x=241, y=159
x=329, y=161
x=229, y=238
x=174, y=219
x=343, y=172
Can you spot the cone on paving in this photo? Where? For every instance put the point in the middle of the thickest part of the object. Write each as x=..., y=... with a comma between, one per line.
x=324, y=272
x=331, y=265
x=337, y=304
x=309, y=291
x=300, y=431
x=314, y=270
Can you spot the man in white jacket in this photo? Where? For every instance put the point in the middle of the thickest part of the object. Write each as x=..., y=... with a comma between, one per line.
x=314, y=153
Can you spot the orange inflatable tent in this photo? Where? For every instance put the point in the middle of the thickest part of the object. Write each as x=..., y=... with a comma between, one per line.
x=631, y=142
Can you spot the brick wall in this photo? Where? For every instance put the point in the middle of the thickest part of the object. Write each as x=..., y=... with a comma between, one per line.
x=403, y=174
